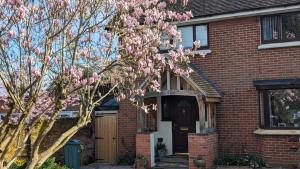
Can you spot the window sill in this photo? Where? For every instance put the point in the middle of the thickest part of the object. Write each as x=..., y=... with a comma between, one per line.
x=279, y=45
x=276, y=132
x=202, y=52
x=197, y=52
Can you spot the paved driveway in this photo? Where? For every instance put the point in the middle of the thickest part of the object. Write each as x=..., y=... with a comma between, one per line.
x=104, y=166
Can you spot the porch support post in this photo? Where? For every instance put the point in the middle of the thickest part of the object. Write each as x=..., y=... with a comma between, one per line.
x=140, y=118
x=168, y=80
x=160, y=85
x=201, y=106
x=178, y=82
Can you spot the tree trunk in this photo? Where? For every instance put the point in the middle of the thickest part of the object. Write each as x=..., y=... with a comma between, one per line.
x=32, y=163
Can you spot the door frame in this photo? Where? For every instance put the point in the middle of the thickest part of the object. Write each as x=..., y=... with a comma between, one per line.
x=99, y=114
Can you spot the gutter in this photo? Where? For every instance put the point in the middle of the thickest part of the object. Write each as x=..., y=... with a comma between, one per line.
x=259, y=12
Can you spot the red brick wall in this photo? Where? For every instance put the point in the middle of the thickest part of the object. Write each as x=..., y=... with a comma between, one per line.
x=233, y=64
x=203, y=146
x=85, y=135
x=127, y=127
x=143, y=147
x=283, y=147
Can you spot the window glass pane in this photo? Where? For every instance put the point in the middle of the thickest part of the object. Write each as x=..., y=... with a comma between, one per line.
x=165, y=41
x=290, y=26
x=201, y=34
x=284, y=108
x=271, y=27
x=187, y=36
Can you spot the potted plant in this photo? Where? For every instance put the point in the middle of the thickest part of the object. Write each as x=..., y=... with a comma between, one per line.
x=161, y=150
x=140, y=162
x=199, y=162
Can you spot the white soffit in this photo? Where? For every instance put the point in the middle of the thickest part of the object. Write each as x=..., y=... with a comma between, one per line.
x=240, y=14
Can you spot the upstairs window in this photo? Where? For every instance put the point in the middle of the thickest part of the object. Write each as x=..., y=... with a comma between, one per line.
x=280, y=28
x=190, y=34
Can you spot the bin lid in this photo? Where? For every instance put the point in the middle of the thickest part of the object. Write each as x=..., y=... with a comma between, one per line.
x=74, y=141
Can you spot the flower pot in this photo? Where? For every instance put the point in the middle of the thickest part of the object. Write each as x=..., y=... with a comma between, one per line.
x=200, y=163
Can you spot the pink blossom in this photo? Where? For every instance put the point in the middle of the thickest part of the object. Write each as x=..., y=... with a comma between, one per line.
x=37, y=51
x=47, y=59
x=12, y=2
x=173, y=1
x=185, y=3
x=55, y=60
x=95, y=76
x=84, y=82
x=56, y=22
x=107, y=36
x=30, y=60
x=21, y=12
x=162, y=5
x=138, y=11
x=11, y=34
x=189, y=14
x=172, y=30
x=94, y=29
x=35, y=73
x=82, y=54
x=197, y=44
x=91, y=80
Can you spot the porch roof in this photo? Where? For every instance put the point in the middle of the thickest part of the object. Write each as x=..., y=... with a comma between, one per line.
x=206, y=86
x=201, y=83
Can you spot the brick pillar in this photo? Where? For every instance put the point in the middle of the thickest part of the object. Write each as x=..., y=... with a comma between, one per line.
x=203, y=146
x=143, y=147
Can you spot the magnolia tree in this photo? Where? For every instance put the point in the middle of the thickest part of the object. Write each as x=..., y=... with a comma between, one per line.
x=57, y=53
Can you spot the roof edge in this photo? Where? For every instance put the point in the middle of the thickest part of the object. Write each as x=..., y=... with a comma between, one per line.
x=249, y=13
x=201, y=73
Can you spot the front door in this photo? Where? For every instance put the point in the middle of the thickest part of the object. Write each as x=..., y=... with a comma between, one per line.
x=184, y=121
x=106, y=138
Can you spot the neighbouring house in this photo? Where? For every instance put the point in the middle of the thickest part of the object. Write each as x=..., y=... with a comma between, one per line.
x=242, y=98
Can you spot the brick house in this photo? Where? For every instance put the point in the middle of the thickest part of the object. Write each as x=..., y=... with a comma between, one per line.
x=242, y=98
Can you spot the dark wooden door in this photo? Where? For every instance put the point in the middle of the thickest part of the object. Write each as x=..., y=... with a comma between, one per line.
x=184, y=122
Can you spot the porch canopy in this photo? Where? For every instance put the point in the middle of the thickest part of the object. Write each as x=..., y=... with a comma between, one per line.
x=197, y=88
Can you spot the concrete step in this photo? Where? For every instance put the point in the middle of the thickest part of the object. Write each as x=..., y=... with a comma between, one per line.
x=164, y=164
x=175, y=159
x=173, y=162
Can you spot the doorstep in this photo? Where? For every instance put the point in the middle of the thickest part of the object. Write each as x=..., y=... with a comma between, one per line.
x=104, y=166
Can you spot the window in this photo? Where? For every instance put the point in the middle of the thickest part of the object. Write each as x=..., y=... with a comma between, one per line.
x=280, y=108
x=192, y=33
x=280, y=28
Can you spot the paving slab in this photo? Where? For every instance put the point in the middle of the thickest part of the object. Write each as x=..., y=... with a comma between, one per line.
x=244, y=167
x=104, y=166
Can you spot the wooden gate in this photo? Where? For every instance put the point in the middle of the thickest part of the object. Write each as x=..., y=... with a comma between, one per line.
x=106, y=138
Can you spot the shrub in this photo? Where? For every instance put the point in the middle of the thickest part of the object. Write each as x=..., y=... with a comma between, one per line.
x=49, y=164
x=140, y=162
x=127, y=158
x=253, y=161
